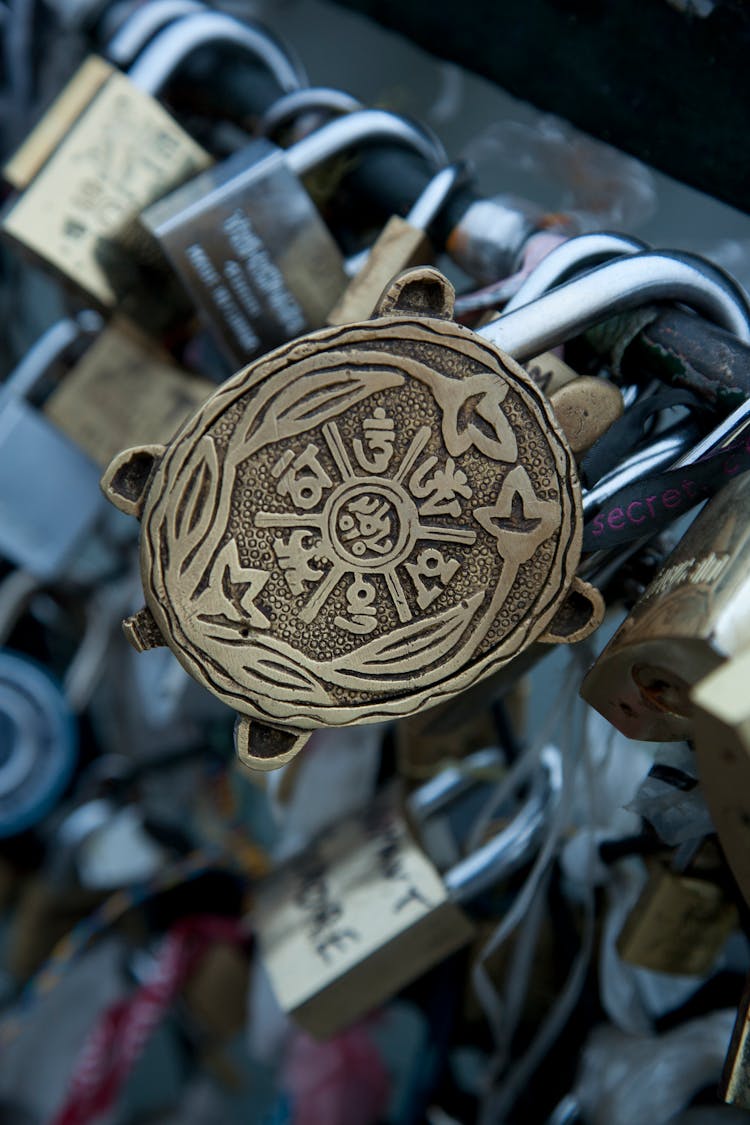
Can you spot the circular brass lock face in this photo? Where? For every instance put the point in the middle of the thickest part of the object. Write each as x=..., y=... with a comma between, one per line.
x=363, y=523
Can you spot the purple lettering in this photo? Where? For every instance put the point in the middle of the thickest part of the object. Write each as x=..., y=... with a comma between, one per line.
x=629, y=512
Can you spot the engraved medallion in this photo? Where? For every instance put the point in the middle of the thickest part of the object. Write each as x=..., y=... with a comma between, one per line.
x=360, y=525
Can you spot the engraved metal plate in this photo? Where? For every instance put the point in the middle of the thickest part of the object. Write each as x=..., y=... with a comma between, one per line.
x=252, y=249
x=363, y=523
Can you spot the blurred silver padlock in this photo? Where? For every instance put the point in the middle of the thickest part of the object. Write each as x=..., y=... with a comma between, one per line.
x=38, y=743
x=249, y=243
x=365, y=911
x=49, y=489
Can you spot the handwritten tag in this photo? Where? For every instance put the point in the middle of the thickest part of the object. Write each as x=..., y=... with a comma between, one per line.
x=355, y=919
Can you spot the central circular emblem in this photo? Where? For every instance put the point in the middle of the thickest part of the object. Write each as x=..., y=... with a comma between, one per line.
x=369, y=524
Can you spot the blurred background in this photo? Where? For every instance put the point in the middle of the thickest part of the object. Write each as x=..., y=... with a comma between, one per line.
x=150, y=967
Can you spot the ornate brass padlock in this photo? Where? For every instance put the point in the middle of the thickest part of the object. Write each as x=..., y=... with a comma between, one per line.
x=358, y=526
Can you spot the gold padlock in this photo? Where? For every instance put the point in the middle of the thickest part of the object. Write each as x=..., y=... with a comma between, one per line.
x=365, y=911
x=106, y=150
x=359, y=526
x=359, y=917
x=402, y=243
x=690, y=620
x=679, y=925
x=123, y=392
x=585, y=408
x=426, y=741
x=103, y=152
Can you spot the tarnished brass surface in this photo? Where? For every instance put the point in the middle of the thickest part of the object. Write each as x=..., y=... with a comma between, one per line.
x=360, y=525
x=398, y=247
x=693, y=616
x=123, y=391
x=585, y=408
x=679, y=925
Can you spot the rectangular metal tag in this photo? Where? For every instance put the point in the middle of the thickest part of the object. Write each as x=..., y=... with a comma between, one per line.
x=251, y=248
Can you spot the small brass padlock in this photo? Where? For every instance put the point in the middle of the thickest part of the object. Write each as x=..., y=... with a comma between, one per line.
x=691, y=618
x=103, y=152
x=123, y=390
x=679, y=925
x=359, y=916
x=358, y=526
x=401, y=244
x=106, y=149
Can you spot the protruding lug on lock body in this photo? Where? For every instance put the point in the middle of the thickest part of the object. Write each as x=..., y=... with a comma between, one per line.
x=578, y=617
x=399, y=247
x=261, y=747
x=125, y=481
x=422, y=291
x=141, y=631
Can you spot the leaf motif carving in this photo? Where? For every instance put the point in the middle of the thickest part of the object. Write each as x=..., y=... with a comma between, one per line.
x=193, y=510
x=402, y=650
x=277, y=672
x=309, y=401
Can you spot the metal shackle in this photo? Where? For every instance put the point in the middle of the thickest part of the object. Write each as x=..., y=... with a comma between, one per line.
x=48, y=349
x=582, y=252
x=314, y=99
x=661, y=454
x=142, y=25
x=671, y=450
x=423, y=211
x=510, y=848
x=513, y=845
x=49, y=488
x=168, y=50
x=621, y=285
x=431, y=201
x=364, y=126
